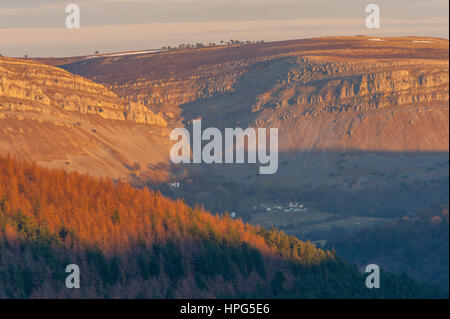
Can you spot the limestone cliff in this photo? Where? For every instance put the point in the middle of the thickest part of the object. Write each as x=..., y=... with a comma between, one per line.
x=30, y=86
x=335, y=93
x=360, y=113
x=66, y=121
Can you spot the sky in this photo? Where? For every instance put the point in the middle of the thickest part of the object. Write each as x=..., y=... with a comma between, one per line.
x=37, y=28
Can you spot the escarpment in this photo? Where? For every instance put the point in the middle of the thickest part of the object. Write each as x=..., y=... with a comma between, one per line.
x=66, y=121
x=397, y=105
x=29, y=86
x=335, y=93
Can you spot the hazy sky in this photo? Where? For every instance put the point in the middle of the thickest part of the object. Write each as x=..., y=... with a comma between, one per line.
x=37, y=27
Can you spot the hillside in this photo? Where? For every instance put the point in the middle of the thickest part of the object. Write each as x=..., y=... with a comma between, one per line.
x=338, y=93
x=363, y=127
x=359, y=117
x=137, y=244
x=417, y=246
x=63, y=120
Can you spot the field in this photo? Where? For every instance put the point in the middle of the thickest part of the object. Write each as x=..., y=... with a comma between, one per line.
x=315, y=225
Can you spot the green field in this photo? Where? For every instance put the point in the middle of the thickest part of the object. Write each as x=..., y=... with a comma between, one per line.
x=314, y=224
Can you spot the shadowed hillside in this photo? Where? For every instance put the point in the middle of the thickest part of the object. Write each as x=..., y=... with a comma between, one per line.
x=361, y=115
x=326, y=93
x=363, y=125
x=417, y=246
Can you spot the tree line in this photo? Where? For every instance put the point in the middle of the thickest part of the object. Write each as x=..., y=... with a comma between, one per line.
x=136, y=243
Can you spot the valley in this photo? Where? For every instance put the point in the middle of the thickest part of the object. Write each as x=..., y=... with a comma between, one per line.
x=366, y=118
x=363, y=127
x=65, y=121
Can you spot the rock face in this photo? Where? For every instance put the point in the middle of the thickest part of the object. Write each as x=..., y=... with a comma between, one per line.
x=368, y=119
x=336, y=93
x=358, y=105
x=354, y=114
x=62, y=120
x=31, y=86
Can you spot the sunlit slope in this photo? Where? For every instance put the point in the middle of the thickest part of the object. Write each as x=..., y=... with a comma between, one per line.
x=358, y=117
x=136, y=243
x=372, y=94
x=64, y=120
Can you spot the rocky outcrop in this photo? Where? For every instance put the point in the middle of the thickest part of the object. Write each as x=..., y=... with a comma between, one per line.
x=30, y=86
x=336, y=94
x=313, y=76
x=322, y=86
x=62, y=120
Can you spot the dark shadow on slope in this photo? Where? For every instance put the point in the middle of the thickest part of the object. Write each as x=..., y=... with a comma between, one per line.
x=36, y=269
x=353, y=183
